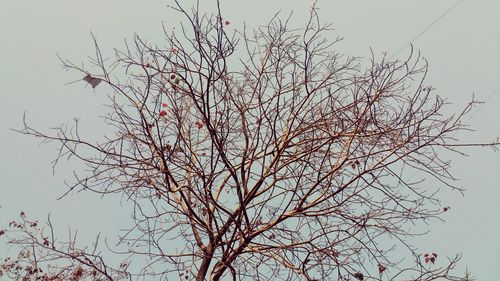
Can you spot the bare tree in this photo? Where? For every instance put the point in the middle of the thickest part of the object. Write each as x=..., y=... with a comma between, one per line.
x=255, y=155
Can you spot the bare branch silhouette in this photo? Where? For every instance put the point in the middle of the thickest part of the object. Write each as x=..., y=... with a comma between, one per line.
x=255, y=155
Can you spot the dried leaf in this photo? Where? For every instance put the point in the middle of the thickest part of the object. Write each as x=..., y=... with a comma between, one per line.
x=93, y=81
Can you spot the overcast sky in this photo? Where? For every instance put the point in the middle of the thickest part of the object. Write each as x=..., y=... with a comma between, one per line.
x=462, y=47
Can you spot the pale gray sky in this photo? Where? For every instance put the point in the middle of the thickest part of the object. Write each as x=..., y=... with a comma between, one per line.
x=463, y=49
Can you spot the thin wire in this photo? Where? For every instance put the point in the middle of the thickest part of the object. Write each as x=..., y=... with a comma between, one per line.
x=495, y=91
x=428, y=27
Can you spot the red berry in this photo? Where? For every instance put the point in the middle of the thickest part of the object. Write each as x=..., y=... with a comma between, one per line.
x=163, y=105
x=172, y=76
x=226, y=22
x=381, y=268
x=163, y=113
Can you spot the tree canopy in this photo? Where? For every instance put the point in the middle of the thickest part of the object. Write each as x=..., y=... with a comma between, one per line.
x=254, y=155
